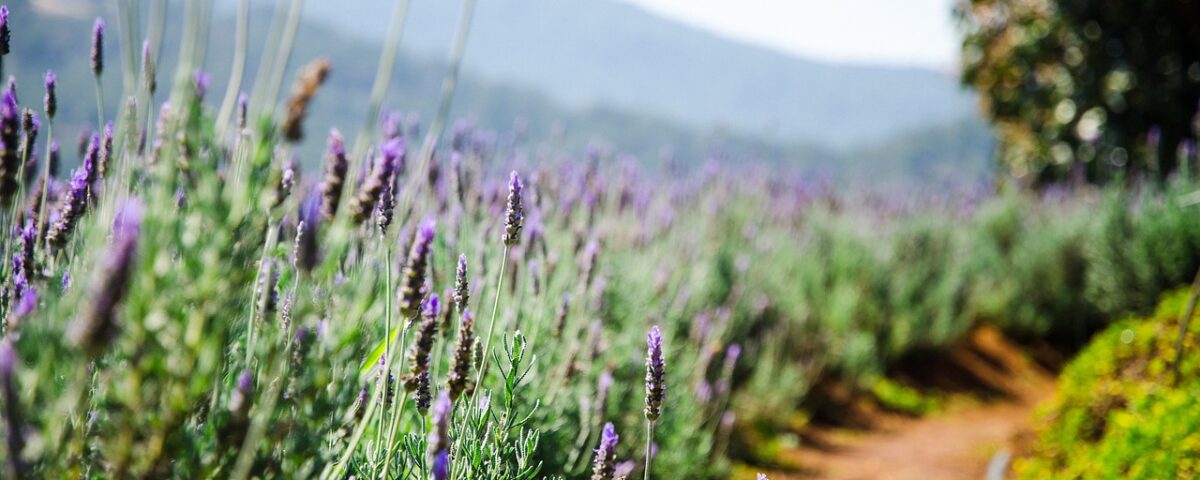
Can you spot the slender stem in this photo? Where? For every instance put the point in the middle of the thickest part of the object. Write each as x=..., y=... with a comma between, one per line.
x=284, y=53
x=487, y=343
x=41, y=221
x=237, y=72
x=649, y=441
x=458, y=49
x=387, y=335
x=99, y=104
x=399, y=409
x=383, y=78
x=339, y=468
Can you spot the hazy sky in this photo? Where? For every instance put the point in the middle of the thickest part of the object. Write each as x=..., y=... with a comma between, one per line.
x=897, y=32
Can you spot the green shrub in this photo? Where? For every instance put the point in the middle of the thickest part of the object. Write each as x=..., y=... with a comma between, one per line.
x=1117, y=412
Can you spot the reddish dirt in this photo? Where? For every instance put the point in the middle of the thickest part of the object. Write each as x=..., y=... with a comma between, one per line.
x=956, y=442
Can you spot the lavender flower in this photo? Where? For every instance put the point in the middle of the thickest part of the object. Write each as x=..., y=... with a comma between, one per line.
x=760, y=476
x=308, y=253
x=421, y=395
x=381, y=174
x=10, y=141
x=336, y=166
x=239, y=399
x=74, y=204
x=441, y=465
x=460, y=370
x=31, y=125
x=413, y=284
x=385, y=209
x=50, y=103
x=106, y=151
x=655, y=387
x=14, y=437
x=606, y=456
x=201, y=82
x=98, y=47
x=242, y=105
x=5, y=32
x=419, y=354
x=311, y=77
x=462, y=287
x=148, y=69
x=92, y=330
x=514, y=216
x=439, y=436
x=560, y=315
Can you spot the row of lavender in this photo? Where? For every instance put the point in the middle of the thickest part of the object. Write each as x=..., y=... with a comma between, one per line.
x=232, y=317
x=190, y=304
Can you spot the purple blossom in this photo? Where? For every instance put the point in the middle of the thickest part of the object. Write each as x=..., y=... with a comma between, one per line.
x=655, y=370
x=439, y=436
x=441, y=465
x=514, y=213
x=413, y=283
x=98, y=47
x=5, y=31
x=603, y=466
x=201, y=82
x=50, y=103
x=92, y=330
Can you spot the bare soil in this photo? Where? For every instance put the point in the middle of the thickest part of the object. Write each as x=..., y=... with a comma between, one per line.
x=993, y=388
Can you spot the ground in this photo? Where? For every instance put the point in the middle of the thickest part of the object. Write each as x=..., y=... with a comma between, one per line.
x=975, y=430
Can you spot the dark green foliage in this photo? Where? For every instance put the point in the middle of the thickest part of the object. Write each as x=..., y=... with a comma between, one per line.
x=1079, y=85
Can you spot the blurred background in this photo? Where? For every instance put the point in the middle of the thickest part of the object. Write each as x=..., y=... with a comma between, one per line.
x=864, y=90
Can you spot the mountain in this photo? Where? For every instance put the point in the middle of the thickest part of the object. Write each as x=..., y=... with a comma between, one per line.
x=585, y=53
x=58, y=38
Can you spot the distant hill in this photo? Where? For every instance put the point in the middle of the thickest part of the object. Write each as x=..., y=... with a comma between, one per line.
x=60, y=40
x=606, y=52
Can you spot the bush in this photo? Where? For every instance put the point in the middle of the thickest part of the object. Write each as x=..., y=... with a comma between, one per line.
x=1118, y=413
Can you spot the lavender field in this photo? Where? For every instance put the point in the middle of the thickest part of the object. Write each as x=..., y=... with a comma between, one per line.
x=203, y=279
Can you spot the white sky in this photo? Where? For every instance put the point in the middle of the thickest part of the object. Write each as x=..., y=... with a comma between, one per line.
x=895, y=32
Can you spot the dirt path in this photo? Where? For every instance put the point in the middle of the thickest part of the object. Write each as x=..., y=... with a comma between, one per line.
x=957, y=442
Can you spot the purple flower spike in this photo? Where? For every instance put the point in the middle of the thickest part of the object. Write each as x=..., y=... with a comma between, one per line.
x=98, y=47
x=460, y=371
x=242, y=104
x=604, y=464
x=5, y=32
x=51, y=101
x=413, y=284
x=441, y=465
x=439, y=436
x=515, y=212
x=202, y=80
x=462, y=294
x=149, y=80
x=433, y=306
x=655, y=369
x=92, y=330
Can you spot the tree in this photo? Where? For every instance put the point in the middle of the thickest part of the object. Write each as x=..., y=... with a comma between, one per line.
x=1102, y=89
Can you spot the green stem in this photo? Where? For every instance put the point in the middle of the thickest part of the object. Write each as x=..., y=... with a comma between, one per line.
x=383, y=78
x=398, y=410
x=487, y=343
x=237, y=72
x=99, y=104
x=387, y=337
x=649, y=440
